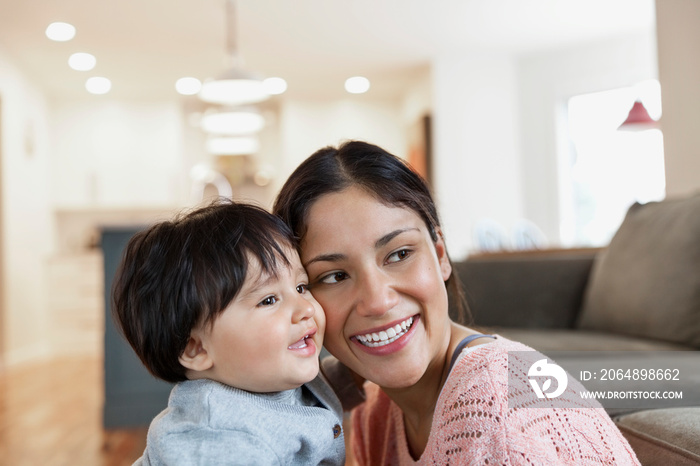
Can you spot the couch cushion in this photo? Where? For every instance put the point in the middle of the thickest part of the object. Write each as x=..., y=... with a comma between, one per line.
x=646, y=283
x=546, y=340
x=542, y=289
x=663, y=436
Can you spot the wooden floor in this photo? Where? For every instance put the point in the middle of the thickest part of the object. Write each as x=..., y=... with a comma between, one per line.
x=51, y=414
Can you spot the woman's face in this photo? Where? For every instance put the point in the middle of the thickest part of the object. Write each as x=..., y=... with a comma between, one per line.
x=381, y=280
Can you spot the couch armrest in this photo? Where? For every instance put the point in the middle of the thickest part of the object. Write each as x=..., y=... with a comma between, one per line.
x=538, y=289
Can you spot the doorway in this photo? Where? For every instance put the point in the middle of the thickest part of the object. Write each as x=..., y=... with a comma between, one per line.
x=2, y=250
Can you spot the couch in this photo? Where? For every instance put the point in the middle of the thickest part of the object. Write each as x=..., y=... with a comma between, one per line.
x=638, y=296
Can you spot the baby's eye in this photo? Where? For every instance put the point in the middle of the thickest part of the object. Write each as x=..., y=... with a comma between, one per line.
x=303, y=288
x=334, y=277
x=399, y=255
x=268, y=301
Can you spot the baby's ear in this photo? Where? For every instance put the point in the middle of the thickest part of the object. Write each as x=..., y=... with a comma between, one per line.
x=195, y=356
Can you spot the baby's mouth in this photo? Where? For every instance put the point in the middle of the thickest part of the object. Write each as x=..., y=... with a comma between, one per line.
x=303, y=342
x=386, y=336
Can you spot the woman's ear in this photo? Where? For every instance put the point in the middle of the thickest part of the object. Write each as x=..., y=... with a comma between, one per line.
x=443, y=258
x=195, y=356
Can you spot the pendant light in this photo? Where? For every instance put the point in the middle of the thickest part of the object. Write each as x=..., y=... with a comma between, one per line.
x=232, y=121
x=235, y=86
x=638, y=119
x=233, y=145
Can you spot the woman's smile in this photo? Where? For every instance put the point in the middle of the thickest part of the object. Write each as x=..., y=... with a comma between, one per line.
x=385, y=336
x=388, y=339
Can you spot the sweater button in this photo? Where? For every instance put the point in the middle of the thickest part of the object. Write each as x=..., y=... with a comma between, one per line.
x=336, y=431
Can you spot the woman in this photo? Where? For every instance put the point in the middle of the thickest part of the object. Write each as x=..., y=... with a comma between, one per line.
x=374, y=251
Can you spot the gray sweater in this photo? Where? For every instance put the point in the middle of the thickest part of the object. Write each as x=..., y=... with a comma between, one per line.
x=210, y=423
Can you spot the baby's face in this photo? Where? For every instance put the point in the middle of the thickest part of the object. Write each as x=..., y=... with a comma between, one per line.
x=269, y=338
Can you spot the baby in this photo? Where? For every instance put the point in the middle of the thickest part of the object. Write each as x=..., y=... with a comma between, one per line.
x=217, y=301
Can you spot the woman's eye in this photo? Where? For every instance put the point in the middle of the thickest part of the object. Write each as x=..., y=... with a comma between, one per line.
x=269, y=301
x=399, y=255
x=303, y=288
x=334, y=277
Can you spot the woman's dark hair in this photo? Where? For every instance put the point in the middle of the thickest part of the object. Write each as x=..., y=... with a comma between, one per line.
x=383, y=175
x=182, y=273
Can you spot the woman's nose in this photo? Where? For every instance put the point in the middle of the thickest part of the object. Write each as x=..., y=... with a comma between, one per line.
x=375, y=295
x=303, y=309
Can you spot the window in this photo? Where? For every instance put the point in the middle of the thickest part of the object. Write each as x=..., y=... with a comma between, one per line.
x=605, y=170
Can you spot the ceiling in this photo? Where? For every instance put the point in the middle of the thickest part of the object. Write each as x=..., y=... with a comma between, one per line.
x=143, y=46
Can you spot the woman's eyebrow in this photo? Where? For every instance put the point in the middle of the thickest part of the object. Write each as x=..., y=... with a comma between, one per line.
x=326, y=258
x=337, y=257
x=384, y=240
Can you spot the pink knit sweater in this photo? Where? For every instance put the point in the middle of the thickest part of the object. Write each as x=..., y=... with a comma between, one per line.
x=473, y=423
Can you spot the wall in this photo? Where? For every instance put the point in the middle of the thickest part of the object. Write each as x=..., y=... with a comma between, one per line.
x=111, y=153
x=115, y=154
x=477, y=164
x=307, y=126
x=27, y=226
x=417, y=100
x=679, y=72
x=546, y=82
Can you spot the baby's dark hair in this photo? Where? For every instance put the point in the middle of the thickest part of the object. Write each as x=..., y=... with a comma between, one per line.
x=179, y=274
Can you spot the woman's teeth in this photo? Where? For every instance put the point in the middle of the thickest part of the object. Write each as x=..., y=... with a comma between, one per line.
x=386, y=336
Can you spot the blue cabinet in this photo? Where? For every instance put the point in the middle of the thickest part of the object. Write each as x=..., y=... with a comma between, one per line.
x=132, y=395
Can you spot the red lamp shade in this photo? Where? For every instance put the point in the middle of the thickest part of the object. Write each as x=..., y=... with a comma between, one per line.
x=638, y=119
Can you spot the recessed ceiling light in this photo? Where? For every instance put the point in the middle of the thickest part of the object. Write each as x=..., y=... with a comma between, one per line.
x=98, y=85
x=275, y=86
x=82, y=61
x=60, y=32
x=188, y=85
x=357, y=85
